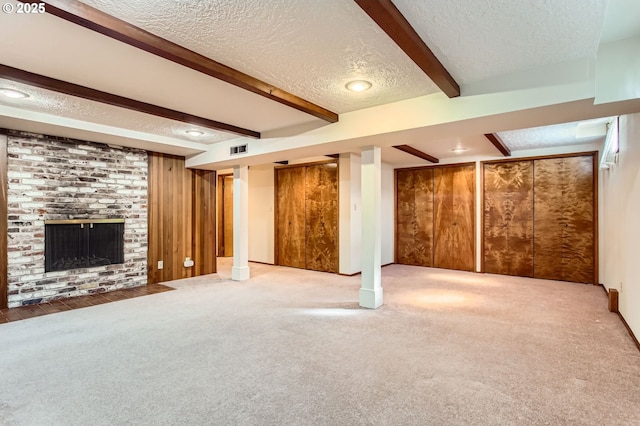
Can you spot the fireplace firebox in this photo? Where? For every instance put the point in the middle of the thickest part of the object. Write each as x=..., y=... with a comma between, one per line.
x=82, y=243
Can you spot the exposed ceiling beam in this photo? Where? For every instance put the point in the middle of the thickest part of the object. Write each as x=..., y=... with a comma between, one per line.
x=284, y=163
x=392, y=22
x=411, y=150
x=498, y=143
x=93, y=19
x=67, y=88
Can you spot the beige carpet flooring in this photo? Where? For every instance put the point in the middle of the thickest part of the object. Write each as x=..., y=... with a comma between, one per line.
x=291, y=347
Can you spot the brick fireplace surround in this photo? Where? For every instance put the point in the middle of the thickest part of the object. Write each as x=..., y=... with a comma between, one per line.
x=53, y=179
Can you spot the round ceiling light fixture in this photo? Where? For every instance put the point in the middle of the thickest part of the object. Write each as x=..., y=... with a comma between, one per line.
x=358, y=85
x=458, y=150
x=194, y=133
x=12, y=93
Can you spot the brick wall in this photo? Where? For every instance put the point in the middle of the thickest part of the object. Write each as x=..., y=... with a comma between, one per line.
x=55, y=178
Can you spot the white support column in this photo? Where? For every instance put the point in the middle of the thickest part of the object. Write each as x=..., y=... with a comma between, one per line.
x=240, y=270
x=371, y=173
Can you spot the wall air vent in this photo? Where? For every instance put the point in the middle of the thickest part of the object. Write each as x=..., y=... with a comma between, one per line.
x=239, y=149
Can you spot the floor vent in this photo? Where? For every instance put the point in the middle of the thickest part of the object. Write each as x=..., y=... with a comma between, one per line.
x=239, y=149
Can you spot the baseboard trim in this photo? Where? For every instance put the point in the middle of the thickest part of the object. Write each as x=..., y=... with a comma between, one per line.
x=262, y=263
x=358, y=273
x=633, y=336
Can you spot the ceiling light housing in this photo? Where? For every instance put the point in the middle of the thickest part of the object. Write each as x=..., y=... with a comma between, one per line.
x=458, y=150
x=358, y=85
x=194, y=133
x=12, y=93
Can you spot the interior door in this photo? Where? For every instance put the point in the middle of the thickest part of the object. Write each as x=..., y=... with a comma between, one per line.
x=454, y=208
x=290, y=217
x=508, y=218
x=564, y=219
x=414, y=217
x=321, y=217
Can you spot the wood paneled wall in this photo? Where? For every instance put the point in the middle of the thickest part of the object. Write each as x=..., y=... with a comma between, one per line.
x=540, y=219
x=435, y=223
x=307, y=216
x=181, y=219
x=4, y=287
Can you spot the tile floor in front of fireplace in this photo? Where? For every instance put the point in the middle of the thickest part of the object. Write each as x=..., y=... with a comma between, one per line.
x=30, y=311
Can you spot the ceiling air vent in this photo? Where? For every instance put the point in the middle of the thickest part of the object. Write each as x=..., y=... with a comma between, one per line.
x=239, y=149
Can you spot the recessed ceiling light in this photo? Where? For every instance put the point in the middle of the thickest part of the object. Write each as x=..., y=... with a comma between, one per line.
x=358, y=85
x=194, y=133
x=13, y=94
x=458, y=150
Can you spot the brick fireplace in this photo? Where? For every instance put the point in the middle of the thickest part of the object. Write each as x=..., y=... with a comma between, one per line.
x=55, y=179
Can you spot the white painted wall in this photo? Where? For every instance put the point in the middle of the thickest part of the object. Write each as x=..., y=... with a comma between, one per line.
x=620, y=218
x=618, y=71
x=261, y=215
x=350, y=219
x=388, y=214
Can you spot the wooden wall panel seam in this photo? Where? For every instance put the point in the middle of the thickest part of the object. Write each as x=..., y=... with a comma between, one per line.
x=181, y=217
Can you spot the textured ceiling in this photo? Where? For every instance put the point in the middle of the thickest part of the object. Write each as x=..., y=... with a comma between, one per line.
x=310, y=48
x=474, y=145
x=476, y=40
x=551, y=136
x=54, y=103
x=68, y=52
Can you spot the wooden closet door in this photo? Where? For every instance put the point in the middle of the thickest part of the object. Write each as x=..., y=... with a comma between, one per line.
x=290, y=218
x=508, y=218
x=414, y=217
x=564, y=219
x=321, y=203
x=454, y=207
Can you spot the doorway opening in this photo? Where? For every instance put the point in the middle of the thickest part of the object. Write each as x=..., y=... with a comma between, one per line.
x=225, y=215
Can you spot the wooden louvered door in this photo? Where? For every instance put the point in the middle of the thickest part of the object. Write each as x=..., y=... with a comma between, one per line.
x=321, y=217
x=564, y=226
x=290, y=217
x=414, y=219
x=454, y=217
x=508, y=218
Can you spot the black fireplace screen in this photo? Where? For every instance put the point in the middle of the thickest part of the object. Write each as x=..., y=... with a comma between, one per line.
x=82, y=245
